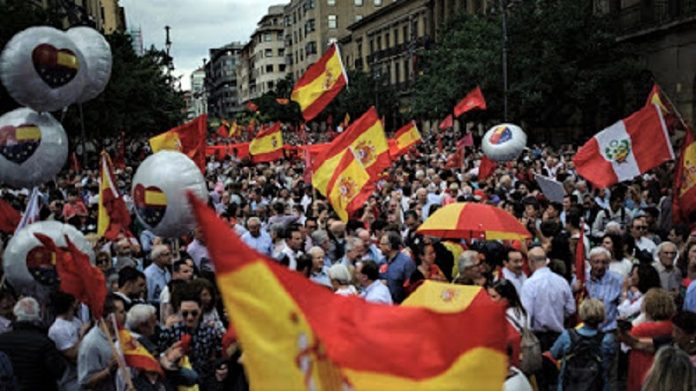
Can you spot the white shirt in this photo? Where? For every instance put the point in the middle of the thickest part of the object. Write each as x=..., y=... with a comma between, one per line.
x=516, y=280
x=65, y=334
x=646, y=245
x=622, y=267
x=377, y=292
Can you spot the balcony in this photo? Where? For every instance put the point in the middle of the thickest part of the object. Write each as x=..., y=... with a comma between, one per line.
x=641, y=17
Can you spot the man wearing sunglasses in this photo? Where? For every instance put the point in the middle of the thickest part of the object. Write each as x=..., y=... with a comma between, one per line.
x=639, y=231
x=206, y=340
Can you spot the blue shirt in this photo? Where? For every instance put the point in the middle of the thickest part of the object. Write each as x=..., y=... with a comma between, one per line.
x=157, y=278
x=548, y=300
x=262, y=244
x=398, y=270
x=690, y=297
x=377, y=292
x=562, y=347
x=608, y=290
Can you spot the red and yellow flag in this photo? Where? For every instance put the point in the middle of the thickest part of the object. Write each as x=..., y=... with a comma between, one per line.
x=188, y=139
x=136, y=355
x=367, y=139
x=299, y=335
x=113, y=217
x=320, y=83
x=267, y=145
x=655, y=98
x=684, y=194
x=350, y=187
x=473, y=100
x=403, y=139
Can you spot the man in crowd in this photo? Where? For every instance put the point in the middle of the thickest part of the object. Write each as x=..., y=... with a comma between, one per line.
x=131, y=286
x=547, y=298
x=512, y=269
x=639, y=231
x=604, y=285
x=373, y=289
x=670, y=275
x=398, y=266
x=258, y=238
x=157, y=274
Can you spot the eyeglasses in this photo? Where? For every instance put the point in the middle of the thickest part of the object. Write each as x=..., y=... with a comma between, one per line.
x=670, y=253
x=193, y=314
x=641, y=227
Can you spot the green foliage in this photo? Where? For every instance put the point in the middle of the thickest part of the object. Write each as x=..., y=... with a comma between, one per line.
x=565, y=67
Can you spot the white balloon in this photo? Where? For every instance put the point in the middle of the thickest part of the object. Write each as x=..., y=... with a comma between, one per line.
x=33, y=148
x=97, y=54
x=31, y=272
x=42, y=68
x=504, y=142
x=159, y=193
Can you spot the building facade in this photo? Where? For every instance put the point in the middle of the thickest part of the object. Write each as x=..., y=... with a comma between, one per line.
x=221, y=81
x=106, y=16
x=664, y=32
x=311, y=24
x=198, y=102
x=262, y=59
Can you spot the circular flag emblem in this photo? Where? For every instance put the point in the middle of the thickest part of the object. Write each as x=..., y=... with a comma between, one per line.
x=18, y=143
x=500, y=135
x=151, y=203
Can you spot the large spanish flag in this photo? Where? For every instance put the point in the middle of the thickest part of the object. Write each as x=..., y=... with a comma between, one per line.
x=684, y=194
x=113, y=217
x=267, y=145
x=320, y=83
x=350, y=187
x=367, y=139
x=297, y=335
x=403, y=139
x=136, y=355
x=188, y=139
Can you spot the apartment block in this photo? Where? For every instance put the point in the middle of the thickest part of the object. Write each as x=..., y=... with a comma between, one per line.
x=221, y=80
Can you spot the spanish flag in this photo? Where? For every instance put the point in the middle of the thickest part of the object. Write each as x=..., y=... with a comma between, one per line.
x=298, y=335
x=113, y=217
x=403, y=139
x=267, y=145
x=350, y=187
x=188, y=139
x=320, y=83
x=367, y=139
x=136, y=355
x=684, y=194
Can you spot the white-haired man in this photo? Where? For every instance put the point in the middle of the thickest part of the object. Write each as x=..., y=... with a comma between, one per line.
x=604, y=285
x=157, y=274
x=665, y=258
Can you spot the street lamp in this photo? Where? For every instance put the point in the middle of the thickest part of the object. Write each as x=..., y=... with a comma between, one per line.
x=503, y=6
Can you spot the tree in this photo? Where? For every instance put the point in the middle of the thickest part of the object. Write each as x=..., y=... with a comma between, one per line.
x=565, y=67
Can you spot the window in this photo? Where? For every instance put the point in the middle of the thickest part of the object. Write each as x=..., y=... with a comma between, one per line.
x=358, y=18
x=309, y=26
x=405, y=34
x=267, y=37
x=378, y=2
x=301, y=54
x=379, y=42
x=311, y=48
x=281, y=52
x=333, y=21
x=397, y=72
x=310, y=4
x=396, y=36
x=279, y=36
x=269, y=68
x=281, y=68
x=331, y=2
x=268, y=53
x=270, y=85
x=387, y=42
x=358, y=2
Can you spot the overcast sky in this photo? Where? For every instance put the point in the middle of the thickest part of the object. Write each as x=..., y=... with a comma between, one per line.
x=196, y=26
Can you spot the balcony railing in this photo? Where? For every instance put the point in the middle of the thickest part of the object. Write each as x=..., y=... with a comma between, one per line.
x=660, y=12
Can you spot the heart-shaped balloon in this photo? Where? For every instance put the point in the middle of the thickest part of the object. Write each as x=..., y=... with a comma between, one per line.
x=18, y=143
x=42, y=68
x=33, y=148
x=29, y=266
x=159, y=192
x=57, y=67
x=151, y=203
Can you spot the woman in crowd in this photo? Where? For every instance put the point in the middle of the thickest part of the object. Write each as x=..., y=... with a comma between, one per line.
x=643, y=277
x=426, y=269
x=658, y=308
x=504, y=290
x=340, y=280
x=619, y=264
x=671, y=371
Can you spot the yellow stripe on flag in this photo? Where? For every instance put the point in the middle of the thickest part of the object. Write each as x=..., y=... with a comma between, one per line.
x=409, y=138
x=103, y=219
x=309, y=93
x=265, y=144
x=28, y=133
x=67, y=60
x=168, y=141
x=155, y=198
x=347, y=187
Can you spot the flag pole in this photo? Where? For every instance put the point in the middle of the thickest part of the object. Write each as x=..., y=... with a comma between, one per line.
x=123, y=369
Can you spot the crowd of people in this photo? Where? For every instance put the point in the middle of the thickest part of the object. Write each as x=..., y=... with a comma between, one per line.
x=634, y=327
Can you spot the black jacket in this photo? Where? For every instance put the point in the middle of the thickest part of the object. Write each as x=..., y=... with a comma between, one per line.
x=36, y=362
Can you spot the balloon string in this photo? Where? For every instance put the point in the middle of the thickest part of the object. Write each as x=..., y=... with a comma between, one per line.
x=63, y=113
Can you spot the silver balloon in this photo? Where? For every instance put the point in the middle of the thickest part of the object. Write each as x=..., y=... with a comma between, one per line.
x=97, y=54
x=29, y=265
x=504, y=142
x=159, y=192
x=42, y=68
x=33, y=148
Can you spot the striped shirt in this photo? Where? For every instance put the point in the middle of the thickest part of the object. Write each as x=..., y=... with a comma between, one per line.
x=608, y=290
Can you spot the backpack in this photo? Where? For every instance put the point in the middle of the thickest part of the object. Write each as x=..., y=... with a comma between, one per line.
x=530, y=348
x=582, y=370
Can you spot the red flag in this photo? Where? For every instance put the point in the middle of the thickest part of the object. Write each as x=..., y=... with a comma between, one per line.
x=670, y=114
x=440, y=145
x=329, y=120
x=580, y=265
x=113, y=217
x=486, y=168
x=626, y=149
x=473, y=100
x=447, y=123
x=455, y=160
x=78, y=276
x=466, y=141
x=224, y=129
x=74, y=162
x=9, y=217
x=684, y=193
x=308, y=166
x=188, y=139
x=252, y=106
x=120, y=160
